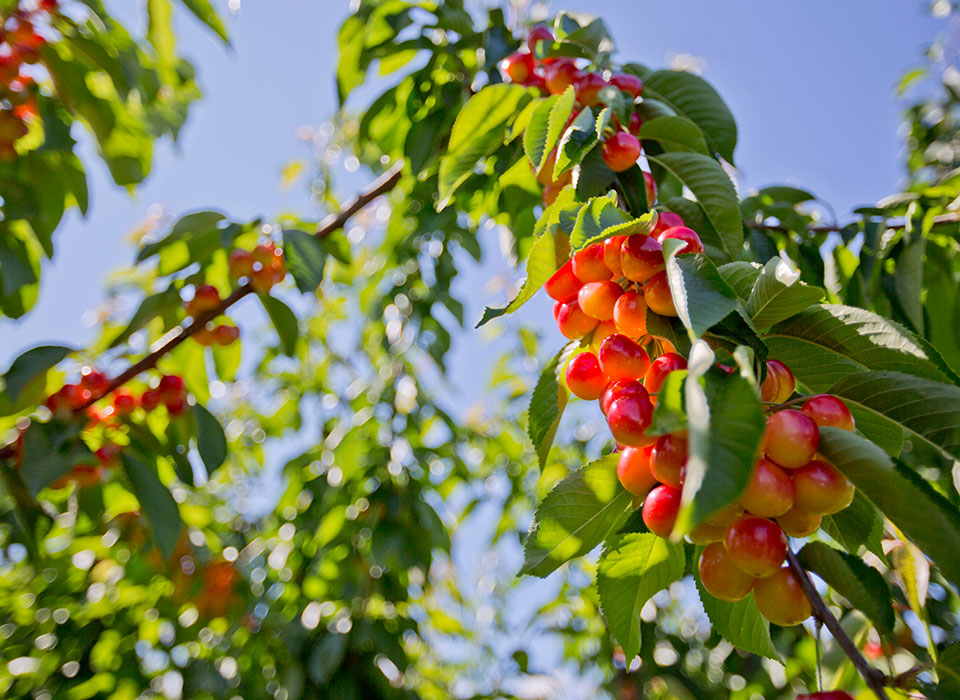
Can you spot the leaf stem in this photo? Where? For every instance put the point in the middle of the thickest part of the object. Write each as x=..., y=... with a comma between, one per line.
x=774, y=407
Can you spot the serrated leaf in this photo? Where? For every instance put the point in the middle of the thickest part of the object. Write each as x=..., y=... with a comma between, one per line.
x=284, y=321
x=674, y=134
x=547, y=255
x=211, y=441
x=860, y=584
x=155, y=502
x=576, y=142
x=535, y=135
x=900, y=494
x=858, y=525
x=32, y=364
x=546, y=405
x=602, y=218
x=593, y=177
x=305, y=258
x=741, y=276
x=579, y=513
x=913, y=571
x=739, y=623
x=50, y=451
x=779, y=294
x=700, y=295
x=669, y=415
x=632, y=568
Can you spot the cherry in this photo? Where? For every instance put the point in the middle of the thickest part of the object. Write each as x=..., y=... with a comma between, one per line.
x=205, y=298
x=791, y=438
x=262, y=280
x=573, y=323
x=177, y=406
x=560, y=75
x=551, y=192
x=770, y=491
x=756, y=545
x=720, y=576
x=666, y=220
x=545, y=174
x=650, y=187
x=205, y=336
x=603, y=331
x=630, y=314
x=563, y=284
x=621, y=387
x=668, y=461
x=589, y=265
x=780, y=598
x=83, y=475
x=779, y=383
x=94, y=381
x=660, y=368
x=240, y=263
x=597, y=299
x=621, y=151
x=635, y=124
x=628, y=416
x=628, y=83
x=107, y=454
x=827, y=410
x=611, y=254
x=822, y=489
x=797, y=522
x=633, y=470
x=687, y=235
x=74, y=396
x=660, y=509
x=170, y=387
x=827, y=695
x=517, y=67
x=584, y=377
x=588, y=87
x=622, y=358
x=656, y=292
x=641, y=257
x=726, y=516
x=705, y=533
x=224, y=335
x=538, y=33
x=149, y=400
x=124, y=403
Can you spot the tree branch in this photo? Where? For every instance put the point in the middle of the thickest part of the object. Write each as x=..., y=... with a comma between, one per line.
x=874, y=678
x=836, y=228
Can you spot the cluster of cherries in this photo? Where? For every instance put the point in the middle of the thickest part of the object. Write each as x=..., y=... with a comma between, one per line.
x=604, y=292
x=20, y=45
x=553, y=75
x=207, y=298
x=264, y=266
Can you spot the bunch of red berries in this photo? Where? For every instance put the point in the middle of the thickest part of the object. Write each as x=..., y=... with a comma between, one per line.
x=206, y=298
x=553, y=75
x=264, y=266
x=20, y=44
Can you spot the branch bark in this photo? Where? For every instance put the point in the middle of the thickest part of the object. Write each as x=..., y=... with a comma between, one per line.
x=835, y=228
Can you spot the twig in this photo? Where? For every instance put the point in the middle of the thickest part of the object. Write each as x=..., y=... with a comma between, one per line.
x=836, y=228
x=874, y=678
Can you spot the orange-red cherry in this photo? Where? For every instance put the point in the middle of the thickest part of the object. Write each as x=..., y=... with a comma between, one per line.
x=597, y=299
x=629, y=83
x=687, y=235
x=517, y=67
x=660, y=509
x=621, y=387
x=780, y=599
x=721, y=577
x=779, y=383
x=666, y=220
x=821, y=488
x=797, y=522
x=791, y=438
x=588, y=87
x=633, y=470
x=756, y=545
x=656, y=292
x=659, y=369
x=560, y=75
x=828, y=410
x=589, y=265
x=584, y=376
x=641, y=257
x=572, y=322
x=668, y=461
x=611, y=254
x=630, y=314
x=563, y=285
x=621, y=151
x=628, y=417
x=622, y=358
x=770, y=491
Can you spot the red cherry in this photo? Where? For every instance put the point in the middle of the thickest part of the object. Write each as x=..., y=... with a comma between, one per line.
x=170, y=387
x=205, y=298
x=563, y=285
x=538, y=33
x=756, y=545
x=611, y=254
x=560, y=75
x=641, y=257
x=660, y=368
x=656, y=292
x=588, y=87
x=797, y=522
x=93, y=380
x=687, y=235
x=603, y=331
x=74, y=396
x=584, y=377
x=636, y=122
x=620, y=151
x=720, y=576
x=545, y=173
x=572, y=322
x=177, y=406
x=621, y=387
x=779, y=383
x=780, y=599
x=517, y=67
x=149, y=400
x=660, y=509
x=827, y=410
x=668, y=461
x=651, y=189
x=822, y=489
x=827, y=695
x=633, y=470
x=630, y=314
x=628, y=418
x=770, y=491
x=551, y=192
x=240, y=263
x=124, y=403
x=628, y=83
x=666, y=220
x=791, y=438
x=597, y=299
x=224, y=335
x=589, y=266
x=622, y=358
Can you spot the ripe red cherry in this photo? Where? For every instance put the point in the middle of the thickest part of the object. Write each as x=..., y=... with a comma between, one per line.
x=74, y=396
x=635, y=124
x=628, y=83
x=124, y=403
x=822, y=489
x=177, y=406
x=827, y=695
x=720, y=576
x=588, y=87
x=769, y=492
x=779, y=383
x=660, y=509
x=517, y=67
x=584, y=377
x=756, y=545
x=572, y=322
x=537, y=34
x=660, y=368
x=611, y=254
x=726, y=516
x=93, y=380
x=666, y=220
x=628, y=418
x=687, y=235
x=656, y=292
x=633, y=470
x=620, y=151
x=170, y=387
x=650, y=186
x=560, y=75
x=622, y=358
x=597, y=299
x=827, y=410
x=780, y=599
x=668, y=461
x=621, y=387
x=149, y=400
x=551, y=192
x=240, y=263
x=563, y=284
x=791, y=438
x=630, y=314
x=603, y=331
x=641, y=257
x=589, y=266
x=224, y=335
x=797, y=522
x=205, y=298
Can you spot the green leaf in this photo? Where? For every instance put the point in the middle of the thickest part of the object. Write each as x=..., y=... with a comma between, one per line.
x=579, y=513
x=50, y=451
x=602, y=218
x=160, y=32
x=535, y=135
x=701, y=296
x=593, y=177
x=908, y=282
x=547, y=255
x=674, y=134
x=203, y=10
x=187, y=227
x=714, y=192
x=669, y=415
x=900, y=494
x=779, y=294
x=632, y=568
x=284, y=321
x=739, y=623
x=211, y=441
x=477, y=132
x=860, y=584
x=151, y=307
x=547, y=403
x=858, y=525
x=576, y=142
x=948, y=671
x=305, y=258
x=31, y=365
x=155, y=502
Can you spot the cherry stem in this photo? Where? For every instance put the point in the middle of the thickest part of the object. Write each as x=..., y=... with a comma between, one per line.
x=774, y=407
x=874, y=678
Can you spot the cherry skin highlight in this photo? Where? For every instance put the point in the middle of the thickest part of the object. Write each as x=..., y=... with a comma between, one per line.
x=779, y=383
x=633, y=470
x=630, y=314
x=641, y=257
x=687, y=235
x=621, y=387
x=829, y=411
x=597, y=299
x=588, y=87
x=781, y=600
x=584, y=377
x=560, y=75
x=611, y=254
x=517, y=67
x=756, y=545
x=563, y=285
x=720, y=576
x=628, y=83
x=660, y=368
x=791, y=438
x=822, y=489
x=650, y=187
x=656, y=292
x=669, y=459
x=621, y=151
x=770, y=491
x=622, y=358
x=660, y=509
x=572, y=322
x=628, y=418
